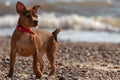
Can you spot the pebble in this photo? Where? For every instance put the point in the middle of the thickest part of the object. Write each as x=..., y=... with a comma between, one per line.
x=104, y=65
x=75, y=54
x=62, y=78
x=6, y=60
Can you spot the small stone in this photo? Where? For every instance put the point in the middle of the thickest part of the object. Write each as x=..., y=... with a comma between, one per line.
x=118, y=70
x=8, y=78
x=24, y=75
x=88, y=54
x=6, y=60
x=116, y=67
x=104, y=65
x=61, y=78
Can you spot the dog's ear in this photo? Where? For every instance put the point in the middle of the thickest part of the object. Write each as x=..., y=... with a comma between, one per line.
x=20, y=7
x=36, y=7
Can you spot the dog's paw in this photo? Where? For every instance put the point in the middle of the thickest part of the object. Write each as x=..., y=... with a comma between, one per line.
x=52, y=77
x=10, y=74
x=38, y=76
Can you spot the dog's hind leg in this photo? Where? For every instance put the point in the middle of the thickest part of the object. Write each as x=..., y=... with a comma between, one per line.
x=51, y=59
x=51, y=55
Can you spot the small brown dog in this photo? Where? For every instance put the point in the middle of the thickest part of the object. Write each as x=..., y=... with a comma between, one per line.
x=26, y=42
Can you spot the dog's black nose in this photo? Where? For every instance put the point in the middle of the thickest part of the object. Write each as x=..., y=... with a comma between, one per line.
x=36, y=22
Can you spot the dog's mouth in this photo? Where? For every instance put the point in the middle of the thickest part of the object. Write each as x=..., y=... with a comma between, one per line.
x=34, y=23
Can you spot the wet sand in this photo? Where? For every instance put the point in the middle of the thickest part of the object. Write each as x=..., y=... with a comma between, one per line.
x=74, y=61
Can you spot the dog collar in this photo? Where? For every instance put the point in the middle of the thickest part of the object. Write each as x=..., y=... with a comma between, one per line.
x=22, y=29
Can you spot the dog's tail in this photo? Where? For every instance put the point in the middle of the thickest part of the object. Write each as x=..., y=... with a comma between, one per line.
x=56, y=32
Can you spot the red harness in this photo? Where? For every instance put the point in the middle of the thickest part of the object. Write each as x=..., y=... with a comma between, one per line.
x=22, y=29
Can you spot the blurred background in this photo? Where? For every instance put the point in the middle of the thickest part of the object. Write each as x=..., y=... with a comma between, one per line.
x=81, y=20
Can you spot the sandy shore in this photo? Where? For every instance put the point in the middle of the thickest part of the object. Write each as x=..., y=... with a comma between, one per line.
x=74, y=61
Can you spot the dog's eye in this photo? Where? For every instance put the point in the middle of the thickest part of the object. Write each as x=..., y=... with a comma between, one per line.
x=28, y=15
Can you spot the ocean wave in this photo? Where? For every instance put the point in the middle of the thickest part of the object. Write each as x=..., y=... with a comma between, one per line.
x=77, y=22
x=71, y=21
x=8, y=21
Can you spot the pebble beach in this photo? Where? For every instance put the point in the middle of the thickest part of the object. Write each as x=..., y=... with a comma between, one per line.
x=74, y=61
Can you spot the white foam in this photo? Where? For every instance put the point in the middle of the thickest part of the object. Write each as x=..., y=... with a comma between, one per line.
x=8, y=21
x=72, y=21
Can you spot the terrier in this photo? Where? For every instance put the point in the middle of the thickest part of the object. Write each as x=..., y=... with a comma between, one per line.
x=37, y=43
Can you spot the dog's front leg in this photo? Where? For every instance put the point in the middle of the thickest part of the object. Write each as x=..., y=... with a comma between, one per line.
x=12, y=62
x=35, y=66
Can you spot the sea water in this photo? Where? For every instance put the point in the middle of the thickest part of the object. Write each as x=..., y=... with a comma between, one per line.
x=81, y=20
x=77, y=36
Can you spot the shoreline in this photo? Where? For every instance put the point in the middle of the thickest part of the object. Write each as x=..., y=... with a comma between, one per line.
x=74, y=61
x=77, y=35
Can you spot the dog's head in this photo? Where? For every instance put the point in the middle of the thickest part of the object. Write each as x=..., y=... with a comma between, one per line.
x=28, y=16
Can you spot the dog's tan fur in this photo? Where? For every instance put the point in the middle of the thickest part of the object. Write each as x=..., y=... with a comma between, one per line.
x=38, y=44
